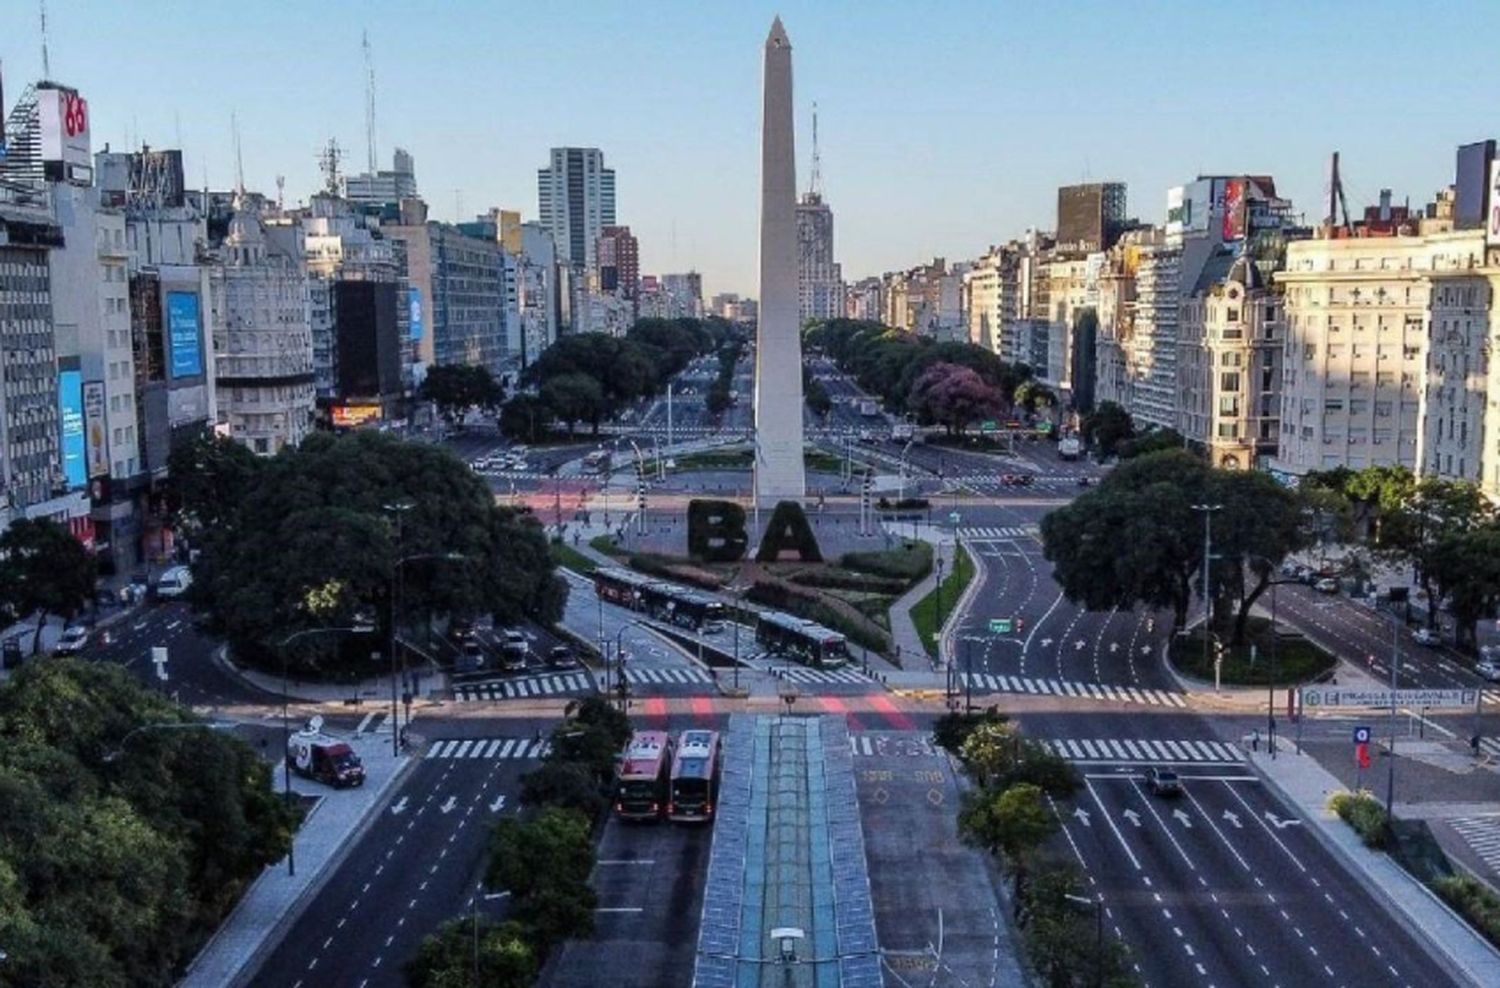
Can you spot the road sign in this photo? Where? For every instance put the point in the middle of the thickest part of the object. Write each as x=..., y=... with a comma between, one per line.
x=988, y=426
x=1000, y=626
x=1361, y=735
x=954, y=517
x=1314, y=697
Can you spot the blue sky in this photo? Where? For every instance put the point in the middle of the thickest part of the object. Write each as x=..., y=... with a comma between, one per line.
x=944, y=127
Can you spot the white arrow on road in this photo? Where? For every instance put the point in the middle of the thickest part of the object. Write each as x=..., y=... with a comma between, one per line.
x=495, y=806
x=400, y=806
x=1114, y=647
x=1183, y=818
x=1233, y=818
x=1279, y=823
x=1078, y=644
x=1083, y=816
x=1145, y=649
x=447, y=806
x=1133, y=817
x=1046, y=642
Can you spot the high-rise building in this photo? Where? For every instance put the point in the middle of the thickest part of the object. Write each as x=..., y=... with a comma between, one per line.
x=462, y=283
x=576, y=201
x=820, y=282
x=263, y=352
x=1090, y=217
x=384, y=187
x=618, y=256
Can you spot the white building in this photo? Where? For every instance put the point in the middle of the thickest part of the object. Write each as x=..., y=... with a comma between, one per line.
x=263, y=349
x=820, y=280
x=576, y=200
x=384, y=186
x=537, y=291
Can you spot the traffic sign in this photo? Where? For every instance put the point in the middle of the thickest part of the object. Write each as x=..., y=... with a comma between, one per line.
x=954, y=517
x=988, y=426
x=1000, y=626
x=1361, y=735
x=1314, y=697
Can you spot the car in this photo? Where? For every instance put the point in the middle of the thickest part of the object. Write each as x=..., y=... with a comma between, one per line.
x=1426, y=636
x=173, y=583
x=1327, y=585
x=1488, y=669
x=561, y=657
x=74, y=637
x=1163, y=782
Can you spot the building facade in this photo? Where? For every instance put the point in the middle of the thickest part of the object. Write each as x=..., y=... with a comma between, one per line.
x=575, y=202
x=820, y=281
x=619, y=261
x=384, y=187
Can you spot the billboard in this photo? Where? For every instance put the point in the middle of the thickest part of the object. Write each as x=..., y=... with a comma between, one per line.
x=184, y=342
x=414, y=302
x=70, y=407
x=348, y=416
x=1232, y=222
x=63, y=118
x=1178, y=208
x=1492, y=224
x=95, y=435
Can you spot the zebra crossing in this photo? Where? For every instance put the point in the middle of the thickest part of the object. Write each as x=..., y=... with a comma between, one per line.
x=1139, y=750
x=801, y=674
x=997, y=534
x=1054, y=687
x=870, y=745
x=514, y=689
x=513, y=748
x=1482, y=833
x=674, y=675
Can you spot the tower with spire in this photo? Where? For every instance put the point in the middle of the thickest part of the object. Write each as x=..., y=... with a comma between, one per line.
x=820, y=282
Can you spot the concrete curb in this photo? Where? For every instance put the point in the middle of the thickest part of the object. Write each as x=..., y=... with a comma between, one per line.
x=1361, y=862
x=257, y=956
x=960, y=606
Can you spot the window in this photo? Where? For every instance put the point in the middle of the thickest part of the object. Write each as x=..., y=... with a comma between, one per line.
x=1229, y=381
x=1333, y=405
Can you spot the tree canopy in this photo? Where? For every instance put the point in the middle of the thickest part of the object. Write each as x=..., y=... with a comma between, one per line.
x=308, y=543
x=119, y=852
x=44, y=570
x=1106, y=427
x=954, y=395
x=455, y=388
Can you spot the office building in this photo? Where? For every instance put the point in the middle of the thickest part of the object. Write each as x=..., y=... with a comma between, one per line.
x=461, y=281
x=1090, y=217
x=537, y=291
x=384, y=187
x=820, y=281
x=263, y=351
x=619, y=262
x=576, y=201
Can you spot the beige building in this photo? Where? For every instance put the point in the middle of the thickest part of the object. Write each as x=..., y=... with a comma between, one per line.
x=1229, y=346
x=1459, y=431
x=1359, y=319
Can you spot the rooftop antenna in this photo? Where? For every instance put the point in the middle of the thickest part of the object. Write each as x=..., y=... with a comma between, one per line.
x=239, y=161
x=328, y=164
x=46, y=61
x=369, y=100
x=815, y=179
x=280, y=193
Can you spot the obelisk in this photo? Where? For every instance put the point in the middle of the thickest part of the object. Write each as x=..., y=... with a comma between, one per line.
x=779, y=473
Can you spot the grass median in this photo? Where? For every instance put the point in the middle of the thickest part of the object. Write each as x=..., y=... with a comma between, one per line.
x=1297, y=660
x=925, y=615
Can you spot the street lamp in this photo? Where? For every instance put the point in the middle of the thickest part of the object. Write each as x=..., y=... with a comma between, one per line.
x=937, y=631
x=620, y=686
x=195, y=725
x=1275, y=648
x=286, y=766
x=1208, y=593
x=1097, y=905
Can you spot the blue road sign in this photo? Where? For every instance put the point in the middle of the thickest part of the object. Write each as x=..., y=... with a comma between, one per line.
x=1361, y=735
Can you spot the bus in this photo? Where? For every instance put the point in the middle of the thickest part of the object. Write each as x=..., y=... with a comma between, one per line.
x=659, y=599
x=869, y=407
x=642, y=788
x=596, y=462
x=695, y=777
x=801, y=640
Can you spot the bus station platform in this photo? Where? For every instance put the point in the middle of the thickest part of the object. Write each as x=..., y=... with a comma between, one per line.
x=787, y=898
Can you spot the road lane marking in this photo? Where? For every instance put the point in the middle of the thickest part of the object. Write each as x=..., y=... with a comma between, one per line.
x=1113, y=828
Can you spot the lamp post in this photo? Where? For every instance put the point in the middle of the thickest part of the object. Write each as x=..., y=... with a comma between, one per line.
x=1208, y=590
x=194, y=725
x=937, y=630
x=1390, y=775
x=398, y=670
x=1097, y=905
x=620, y=660
x=1275, y=649
x=284, y=647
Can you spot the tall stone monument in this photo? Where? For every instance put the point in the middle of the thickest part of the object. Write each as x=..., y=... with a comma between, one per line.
x=779, y=473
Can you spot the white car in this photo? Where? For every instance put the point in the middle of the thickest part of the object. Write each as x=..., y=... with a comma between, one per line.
x=74, y=637
x=1489, y=669
x=1426, y=636
x=1327, y=585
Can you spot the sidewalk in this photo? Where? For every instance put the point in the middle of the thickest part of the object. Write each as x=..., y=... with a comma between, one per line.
x=1303, y=783
x=274, y=901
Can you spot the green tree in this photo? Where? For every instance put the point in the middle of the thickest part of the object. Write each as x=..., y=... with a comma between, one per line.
x=566, y=784
x=1152, y=441
x=544, y=862
x=990, y=750
x=574, y=398
x=455, y=388
x=44, y=570
x=1435, y=512
x=1466, y=568
x=525, y=417
x=1012, y=823
x=1106, y=427
x=464, y=953
x=205, y=478
x=815, y=395
x=1033, y=395
x=1062, y=934
x=1258, y=525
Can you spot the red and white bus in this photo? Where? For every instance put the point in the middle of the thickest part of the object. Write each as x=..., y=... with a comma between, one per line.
x=695, y=777
x=645, y=768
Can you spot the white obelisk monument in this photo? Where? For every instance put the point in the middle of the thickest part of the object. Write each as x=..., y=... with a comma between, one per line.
x=779, y=473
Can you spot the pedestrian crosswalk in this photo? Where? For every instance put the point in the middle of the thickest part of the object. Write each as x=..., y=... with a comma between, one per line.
x=511, y=689
x=996, y=534
x=1142, y=751
x=1482, y=834
x=678, y=675
x=872, y=745
x=1064, y=687
x=802, y=674
x=513, y=748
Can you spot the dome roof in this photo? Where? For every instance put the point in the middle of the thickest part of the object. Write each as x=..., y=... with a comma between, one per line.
x=1244, y=272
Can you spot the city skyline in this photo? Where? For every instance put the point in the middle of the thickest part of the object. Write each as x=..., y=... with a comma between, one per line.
x=914, y=115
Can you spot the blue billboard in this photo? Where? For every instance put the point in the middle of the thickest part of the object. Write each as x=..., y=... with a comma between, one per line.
x=184, y=344
x=70, y=407
x=414, y=302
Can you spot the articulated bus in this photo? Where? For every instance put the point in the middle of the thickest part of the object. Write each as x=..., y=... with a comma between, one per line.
x=645, y=767
x=695, y=777
x=661, y=600
x=801, y=640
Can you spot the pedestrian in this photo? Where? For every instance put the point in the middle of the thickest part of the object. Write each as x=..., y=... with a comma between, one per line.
x=1255, y=740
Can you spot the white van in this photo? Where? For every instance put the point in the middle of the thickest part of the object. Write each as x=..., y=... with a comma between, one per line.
x=174, y=583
